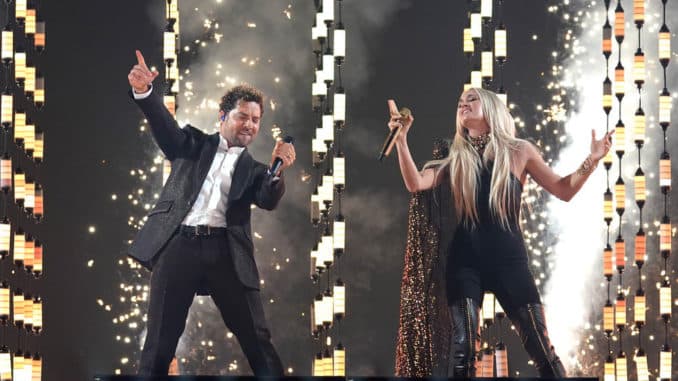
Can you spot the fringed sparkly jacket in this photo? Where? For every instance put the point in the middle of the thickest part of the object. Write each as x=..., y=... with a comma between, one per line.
x=424, y=326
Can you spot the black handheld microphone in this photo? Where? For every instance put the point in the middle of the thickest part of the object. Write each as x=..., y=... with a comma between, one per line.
x=390, y=140
x=278, y=161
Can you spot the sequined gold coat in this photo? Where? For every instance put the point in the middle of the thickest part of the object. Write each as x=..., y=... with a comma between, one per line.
x=422, y=347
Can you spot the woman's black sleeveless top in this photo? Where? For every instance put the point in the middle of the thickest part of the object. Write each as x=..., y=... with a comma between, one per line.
x=488, y=243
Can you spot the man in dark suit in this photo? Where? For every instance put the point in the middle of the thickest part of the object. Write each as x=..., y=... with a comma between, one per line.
x=198, y=235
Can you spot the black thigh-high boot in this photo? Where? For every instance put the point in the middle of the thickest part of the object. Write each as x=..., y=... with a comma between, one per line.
x=530, y=323
x=465, y=342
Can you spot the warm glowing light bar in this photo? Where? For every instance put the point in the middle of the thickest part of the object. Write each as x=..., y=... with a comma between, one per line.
x=620, y=312
x=664, y=45
x=39, y=94
x=620, y=194
x=665, y=363
x=619, y=22
x=31, y=16
x=619, y=80
x=38, y=265
x=37, y=314
x=487, y=64
x=639, y=127
x=619, y=138
x=486, y=8
x=476, y=79
x=169, y=45
x=607, y=95
x=339, y=292
x=639, y=308
x=5, y=234
x=19, y=186
x=642, y=371
x=639, y=11
x=7, y=109
x=20, y=10
x=339, y=106
x=468, y=42
x=639, y=185
x=7, y=44
x=620, y=249
x=40, y=36
x=665, y=299
x=621, y=371
x=4, y=301
x=500, y=39
x=339, y=235
x=639, y=68
x=665, y=105
x=476, y=25
x=339, y=361
x=29, y=86
x=608, y=262
x=665, y=171
x=488, y=308
x=501, y=360
x=5, y=364
x=608, y=209
x=18, y=307
x=640, y=249
x=20, y=66
x=665, y=237
x=340, y=43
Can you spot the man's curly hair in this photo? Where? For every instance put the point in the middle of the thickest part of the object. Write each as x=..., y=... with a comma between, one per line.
x=242, y=92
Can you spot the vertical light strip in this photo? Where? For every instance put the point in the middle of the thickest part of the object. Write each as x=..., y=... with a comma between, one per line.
x=329, y=103
x=171, y=58
x=608, y=210
x=23, y=95
x=665, y=183
x=639, y=182
x=6, y=182
x=620, y=193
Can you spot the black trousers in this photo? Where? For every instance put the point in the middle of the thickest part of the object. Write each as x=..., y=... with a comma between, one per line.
x=512, y=284
x=185, y=264
x=514, y=287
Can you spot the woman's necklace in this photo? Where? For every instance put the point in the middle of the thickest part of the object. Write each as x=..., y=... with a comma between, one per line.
x=479, y=142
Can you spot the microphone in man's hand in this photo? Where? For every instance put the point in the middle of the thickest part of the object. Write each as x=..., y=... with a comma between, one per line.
x=390, y=140
x=278, y=161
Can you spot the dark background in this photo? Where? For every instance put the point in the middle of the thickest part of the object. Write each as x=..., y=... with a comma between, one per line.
x=411, y=53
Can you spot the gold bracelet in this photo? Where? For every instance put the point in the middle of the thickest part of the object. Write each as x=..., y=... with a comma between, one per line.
x=587, y=166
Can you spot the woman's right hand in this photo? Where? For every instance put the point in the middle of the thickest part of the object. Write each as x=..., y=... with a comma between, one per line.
x=397, y=120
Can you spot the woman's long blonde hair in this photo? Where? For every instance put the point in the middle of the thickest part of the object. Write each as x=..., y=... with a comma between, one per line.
x=465, y=165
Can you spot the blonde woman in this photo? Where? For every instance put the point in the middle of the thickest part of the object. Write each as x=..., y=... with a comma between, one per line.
x=486, y=169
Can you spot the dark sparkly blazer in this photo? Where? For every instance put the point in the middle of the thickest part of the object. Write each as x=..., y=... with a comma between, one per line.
x=191, y=152
x=423, y=343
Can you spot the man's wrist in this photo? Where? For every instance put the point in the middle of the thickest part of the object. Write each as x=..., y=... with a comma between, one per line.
x=142, y=95
x=138, y=91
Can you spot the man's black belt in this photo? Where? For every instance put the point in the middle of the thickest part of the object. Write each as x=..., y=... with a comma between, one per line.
x=201, y=230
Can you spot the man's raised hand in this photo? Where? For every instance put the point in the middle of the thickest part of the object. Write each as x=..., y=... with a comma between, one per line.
x=140, y=77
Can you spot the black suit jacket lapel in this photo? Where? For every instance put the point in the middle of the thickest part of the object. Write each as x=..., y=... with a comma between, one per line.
x=205, y=161
x=241, y=176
